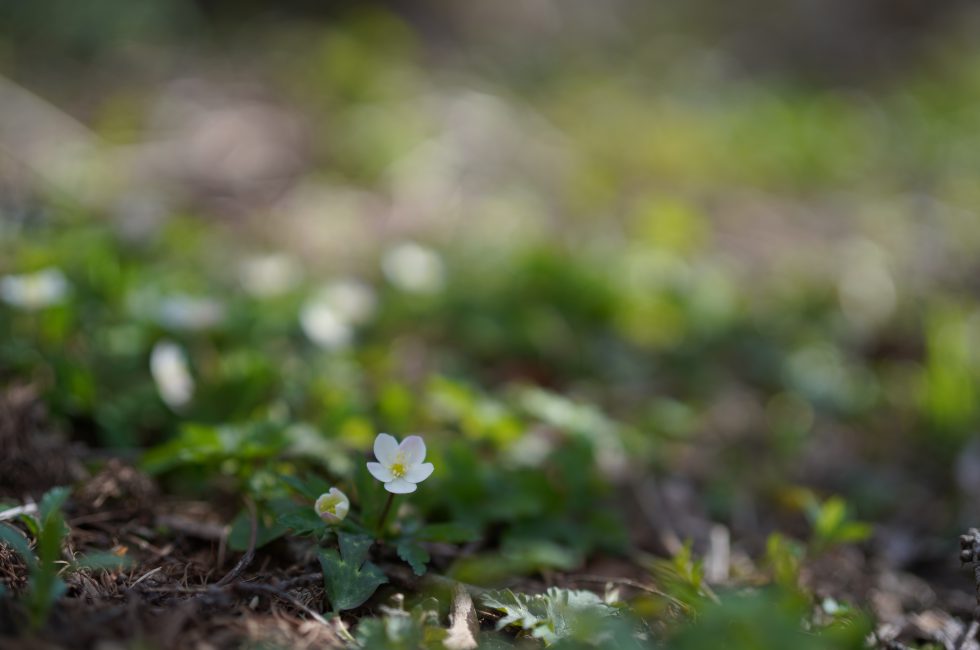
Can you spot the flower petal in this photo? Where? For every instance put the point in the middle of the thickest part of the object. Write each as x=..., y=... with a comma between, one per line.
x=413, y=450
x=341, y=509
x=339, y=495
x=385, y=449
x=419, y=473
x=332, y=506
x=380, y=472
x=400, y=486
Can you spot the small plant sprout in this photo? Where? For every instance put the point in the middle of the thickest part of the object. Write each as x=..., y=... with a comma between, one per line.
x=400, y=466
x=332, y=506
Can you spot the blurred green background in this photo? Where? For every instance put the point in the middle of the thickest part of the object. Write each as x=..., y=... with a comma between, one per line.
x=733, y=248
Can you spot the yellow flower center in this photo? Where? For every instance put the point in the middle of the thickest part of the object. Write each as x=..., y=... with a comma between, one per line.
x=398, y=470
x=329, y=504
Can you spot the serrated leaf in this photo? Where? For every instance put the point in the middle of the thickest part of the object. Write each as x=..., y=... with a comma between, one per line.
x=551, y=616
x=516, y=610
x=310, y=487
x=348, y=584
x=301, y=520
x=450, y=533
x=415, y=554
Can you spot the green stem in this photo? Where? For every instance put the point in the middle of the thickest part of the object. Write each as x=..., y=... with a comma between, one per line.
x=384, y=515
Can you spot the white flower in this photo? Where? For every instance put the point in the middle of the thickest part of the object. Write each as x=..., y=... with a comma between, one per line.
x=414, y=268
x=324, y=326
x=352, y=300
x=168, y=365
x=34, y=290
x=330, y=316
x=269, y=275
x=399, y=467
x=332, y=506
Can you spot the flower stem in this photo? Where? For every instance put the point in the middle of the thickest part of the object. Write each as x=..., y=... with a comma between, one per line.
x=384, y=515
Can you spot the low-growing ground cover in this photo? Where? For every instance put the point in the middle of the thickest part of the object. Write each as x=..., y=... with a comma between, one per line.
x=666, y=365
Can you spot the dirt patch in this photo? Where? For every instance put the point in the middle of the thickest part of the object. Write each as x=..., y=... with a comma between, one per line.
x=33, y=458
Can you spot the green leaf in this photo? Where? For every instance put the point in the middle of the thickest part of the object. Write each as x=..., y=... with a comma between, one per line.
x=18, y=543
x=102, y=560
x=310, y=487
x=301, y=519
x=52, y=533
x=401, y=630
x=354, y=547
x=784, y=557
x=348, y=584
x=268, y=530
x=32, y=525
x=830, y=516
x=450, y=533
x=415, y=554
x=52, y=501
x=555, y=615
x=854, y=531
x=370, y=494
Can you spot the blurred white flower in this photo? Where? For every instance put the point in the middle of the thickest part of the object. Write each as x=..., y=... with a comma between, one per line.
x=531, y=449
x=329, y=317
x=332, y=506
x=170, y=370
x=269, y=275
x=324, y=326
x=184, y=312
x=413, y=268
x=352, y=300
x=36, y=290
x=867, y=292
x=400, y=467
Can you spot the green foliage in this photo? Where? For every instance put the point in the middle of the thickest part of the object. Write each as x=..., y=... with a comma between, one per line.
x=765, y=620
x=452, y=533
x=301, y=519
x=371, y=494
x=557, y=615
x=268, y=525
x=949, y=396
x=833, y=525
x=413, y=553
x=681, y=277
x=45, y=584
x=210, y=446
x=784, y=557
x=552, y=520
x=515, y=558
x=401, y=630
x=349, y=579
x=683, y=577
